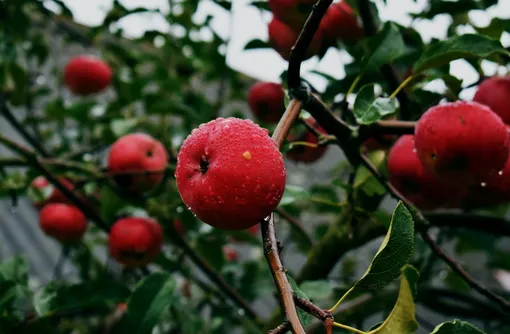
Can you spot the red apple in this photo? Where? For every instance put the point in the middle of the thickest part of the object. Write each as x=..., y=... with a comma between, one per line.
x=266, y=101
x=462, y=142
x=230, y=173
x=137, y=153
x=340, y=22
x=85, y=75
x=63, y=222
x=495, y=93
x=406, y=173
x=135, y=241
x=302, y=153
x=230, y=253
x=42, y=192
x=282, y=38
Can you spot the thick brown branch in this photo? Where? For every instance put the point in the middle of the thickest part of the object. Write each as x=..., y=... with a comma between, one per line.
x=288, y=118
x=279, y=275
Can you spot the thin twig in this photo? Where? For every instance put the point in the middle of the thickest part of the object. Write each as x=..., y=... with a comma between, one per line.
x=299, y=49
x=295, y=224
x=503, y=303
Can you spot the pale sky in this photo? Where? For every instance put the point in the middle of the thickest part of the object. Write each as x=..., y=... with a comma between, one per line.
x=246, y=23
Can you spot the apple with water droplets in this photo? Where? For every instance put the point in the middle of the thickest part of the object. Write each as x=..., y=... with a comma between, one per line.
x=230, y=173
x=42, y=192
x=462, y=142
x=407, y=175
x=494, y=92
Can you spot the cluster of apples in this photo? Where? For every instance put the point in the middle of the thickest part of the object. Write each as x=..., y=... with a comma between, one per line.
x=458, y=156
x=339, y=22
x=136, y=163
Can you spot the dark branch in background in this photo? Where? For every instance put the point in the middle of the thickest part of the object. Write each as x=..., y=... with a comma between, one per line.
x=503, y=303
x=482, y=223
x=387, y=70
x=298, y=51
x=32, y=159
x=19, y=127
x=210, y=273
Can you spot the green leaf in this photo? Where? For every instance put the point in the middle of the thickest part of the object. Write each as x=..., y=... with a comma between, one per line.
x=262, y=5
x=368, y=108
x=256, y=44
x=304, y=317
x=150, y=300
x=394, y=253
x=465, y=46
x=402, y=318
x=384, y=47
x=121, y=127
x=100, y=295
x=293, y=194
x=15, y=269
x=317, y=289
x=456, y=327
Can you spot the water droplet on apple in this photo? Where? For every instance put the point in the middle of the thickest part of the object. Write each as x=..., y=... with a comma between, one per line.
x=414, y=150
x=483, y=184
x=500, y=172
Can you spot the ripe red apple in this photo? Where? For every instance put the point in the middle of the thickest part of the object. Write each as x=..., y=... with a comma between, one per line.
x=230, y=173
x=266, y=101
x=282, y=39
x=340, y=22
x=85, y=75
x=230, y=253
x=495, y=93
x=63, y=222
x=135, y=241
x=406, y=173
x=43, y=192
x=462, y=142
x=302, y=153
x=137, y=153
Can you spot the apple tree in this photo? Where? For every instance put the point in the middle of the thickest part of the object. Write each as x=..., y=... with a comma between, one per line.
x=167, y=178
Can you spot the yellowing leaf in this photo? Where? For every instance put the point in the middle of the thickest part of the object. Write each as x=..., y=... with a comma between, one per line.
x=402, y=318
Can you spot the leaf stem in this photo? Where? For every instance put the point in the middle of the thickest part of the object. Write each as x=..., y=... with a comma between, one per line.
x=402, y=86
x=331, y=310
x=354, y=84
x=349, y=328
x=303, y=143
